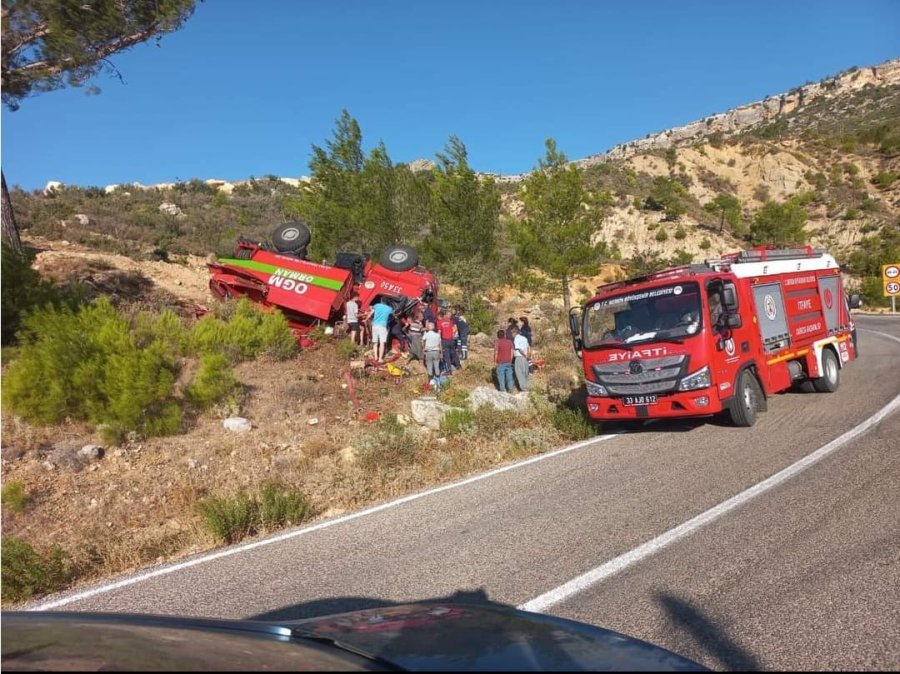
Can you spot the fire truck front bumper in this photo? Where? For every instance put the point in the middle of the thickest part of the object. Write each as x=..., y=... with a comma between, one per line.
x=682, y=404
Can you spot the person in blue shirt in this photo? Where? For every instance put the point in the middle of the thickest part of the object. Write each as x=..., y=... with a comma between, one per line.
x=381, y=315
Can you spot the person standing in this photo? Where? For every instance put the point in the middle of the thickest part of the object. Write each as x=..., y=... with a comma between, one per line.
x=525, y=328
x=462, y=332
x=503, y=359
x=510, y=324
x=414, y=331
x=431, y=345
x=521, y=353
x=447, y=329
x=351, y=317
x=381, y=314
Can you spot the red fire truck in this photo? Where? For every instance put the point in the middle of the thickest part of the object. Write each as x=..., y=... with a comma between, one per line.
x=722, y=336
x=309, y=293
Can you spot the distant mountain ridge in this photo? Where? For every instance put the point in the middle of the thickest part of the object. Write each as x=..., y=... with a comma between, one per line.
x=746, y=117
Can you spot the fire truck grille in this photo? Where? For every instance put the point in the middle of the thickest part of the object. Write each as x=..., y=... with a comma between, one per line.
x=630, y=389
x=656, y=375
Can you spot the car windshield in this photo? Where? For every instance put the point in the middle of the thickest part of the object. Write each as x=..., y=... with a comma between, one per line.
x=663, y=313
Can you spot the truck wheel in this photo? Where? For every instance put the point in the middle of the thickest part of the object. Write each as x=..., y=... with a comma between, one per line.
x=745, y=405
x=399, y=258
x=291, y=236
x=831, y=373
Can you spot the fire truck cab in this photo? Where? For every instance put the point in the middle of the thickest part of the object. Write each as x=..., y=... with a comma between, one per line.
x=722, y=336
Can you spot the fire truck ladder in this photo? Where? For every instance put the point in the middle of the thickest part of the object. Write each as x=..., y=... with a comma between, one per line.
x=765, y=261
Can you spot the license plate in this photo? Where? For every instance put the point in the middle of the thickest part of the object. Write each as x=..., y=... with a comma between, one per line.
x=630, y=401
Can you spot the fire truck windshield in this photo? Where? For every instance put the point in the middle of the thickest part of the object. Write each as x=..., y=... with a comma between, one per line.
x=663, y=313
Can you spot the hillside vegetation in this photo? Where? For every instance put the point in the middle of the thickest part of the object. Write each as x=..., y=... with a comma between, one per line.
x=103, y=348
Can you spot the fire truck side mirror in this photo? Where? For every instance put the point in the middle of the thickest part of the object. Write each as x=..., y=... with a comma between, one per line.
x=729, y=298
x=855, y=301
x=732, y=320
x=574, y=326
x=577, y=345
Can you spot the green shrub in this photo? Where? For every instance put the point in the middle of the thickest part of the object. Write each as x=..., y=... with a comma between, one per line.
x=493, y=422
x=456, y=421
x=705, y=244
x=281, y=506
x=346, y=349
x=27, y=573
x=230, y=519
x=885, y=179
x=214, y=382
x=680, y=233
x=480, y=316
x=573, y=424
x=530, y=439
x=86, y=365
x=14, y=496
x=851, y=214
x=22, y=291
x=166, y=327
x=247, y=333
x=454, y=396
x=661, y=235
x=388, y=445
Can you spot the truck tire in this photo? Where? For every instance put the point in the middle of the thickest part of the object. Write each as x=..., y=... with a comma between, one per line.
x=291, y=236
x=399, y=258
x=746, y=402
x=831, y=373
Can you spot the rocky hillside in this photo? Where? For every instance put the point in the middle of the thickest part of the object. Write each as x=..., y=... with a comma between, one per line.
x=685, y=193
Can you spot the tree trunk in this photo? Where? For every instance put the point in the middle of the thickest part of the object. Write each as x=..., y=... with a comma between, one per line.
x=565, y=288
x=10, y=231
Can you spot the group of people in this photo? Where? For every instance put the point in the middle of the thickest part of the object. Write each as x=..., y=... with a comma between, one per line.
x=512, y=355
x=439, y=341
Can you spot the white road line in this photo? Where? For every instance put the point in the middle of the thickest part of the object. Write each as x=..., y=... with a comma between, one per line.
x=651, y=547
x=102, y=589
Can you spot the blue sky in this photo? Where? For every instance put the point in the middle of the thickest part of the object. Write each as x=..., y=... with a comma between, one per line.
x=246, y=88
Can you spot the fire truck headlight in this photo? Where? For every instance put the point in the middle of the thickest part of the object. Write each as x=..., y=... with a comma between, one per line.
x=595, y=390
x=699, y=379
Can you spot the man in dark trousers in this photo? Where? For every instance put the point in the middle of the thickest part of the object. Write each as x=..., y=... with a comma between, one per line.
x=447, y=330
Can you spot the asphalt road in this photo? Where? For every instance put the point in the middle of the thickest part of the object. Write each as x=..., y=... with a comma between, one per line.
x=803, y=576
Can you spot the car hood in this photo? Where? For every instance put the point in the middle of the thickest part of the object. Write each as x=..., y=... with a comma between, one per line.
x=422, y=637
x=443, y=637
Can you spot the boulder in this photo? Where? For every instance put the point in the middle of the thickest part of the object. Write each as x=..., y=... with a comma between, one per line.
x=82, y=219
x=481, y=339
x=237, y=424
x=485, y=395
x=429, y=412
x=91, y=452
x=170, y=208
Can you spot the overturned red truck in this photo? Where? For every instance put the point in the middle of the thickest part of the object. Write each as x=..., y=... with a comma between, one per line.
x=278, y=275
x=722, y=336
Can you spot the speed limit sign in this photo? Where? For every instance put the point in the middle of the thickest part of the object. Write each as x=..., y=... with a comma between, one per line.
x=890, y=276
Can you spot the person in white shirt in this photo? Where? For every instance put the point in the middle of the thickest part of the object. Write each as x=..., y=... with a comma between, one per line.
x=521, y=353
x=351, y=317
x=431, y=342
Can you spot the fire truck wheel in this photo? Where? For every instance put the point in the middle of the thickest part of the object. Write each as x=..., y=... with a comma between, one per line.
x=745, y=405
x=291, y=236
x=831, y=373
x=399, y=258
